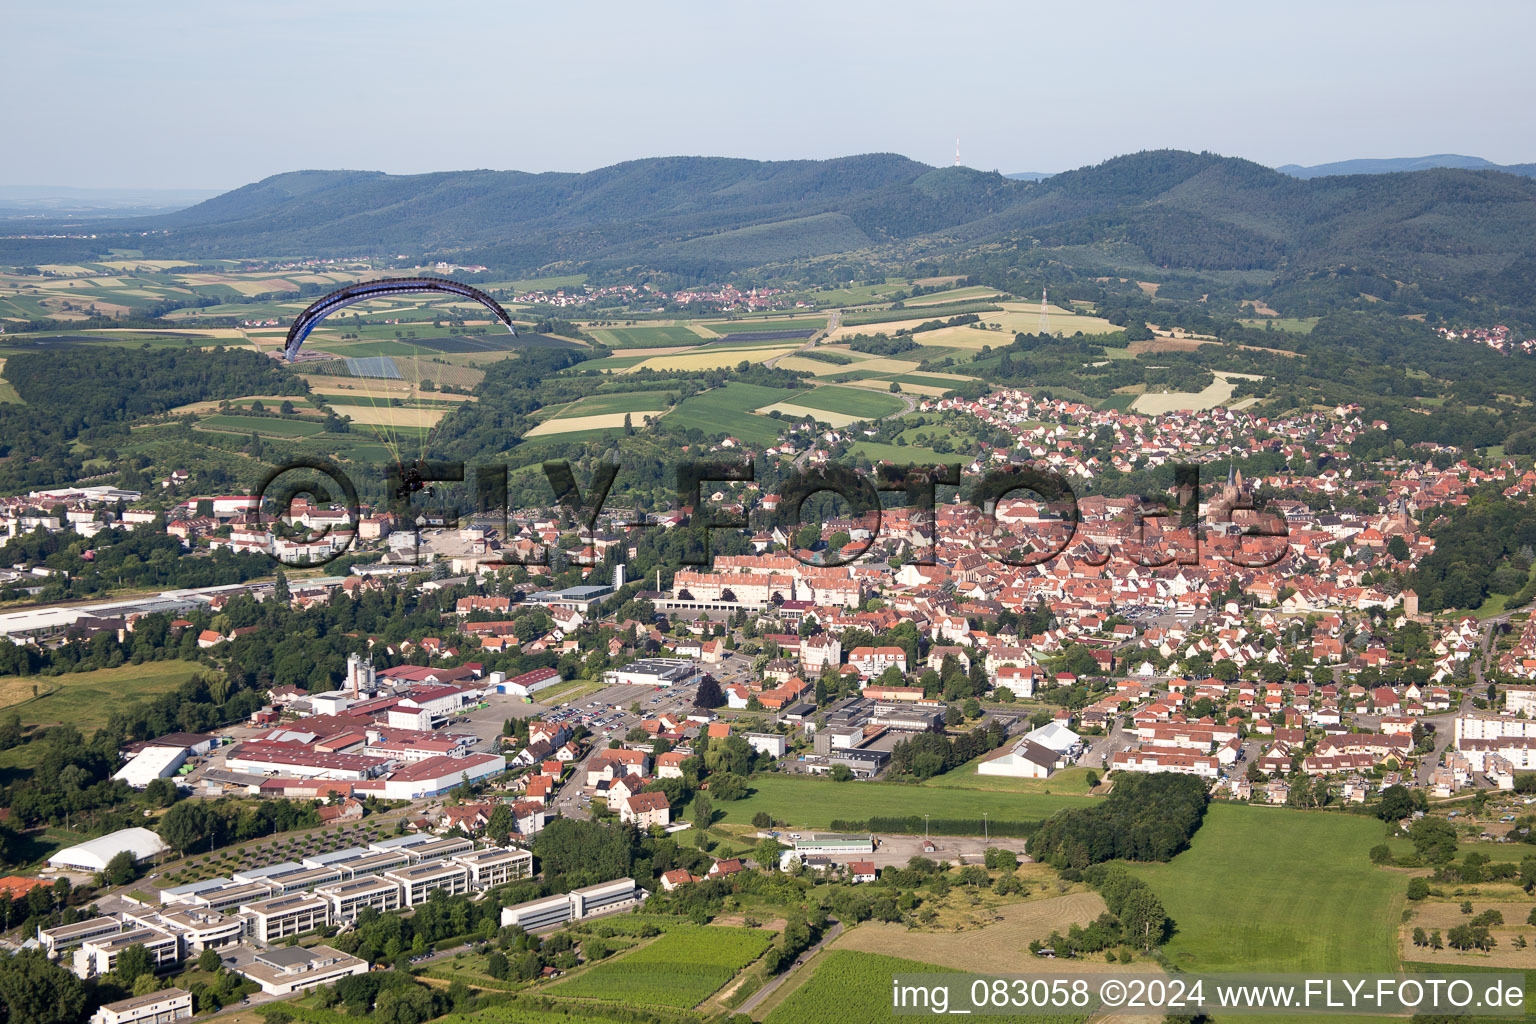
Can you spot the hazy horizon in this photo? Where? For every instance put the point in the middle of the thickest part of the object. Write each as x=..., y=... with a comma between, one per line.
x=187, y=97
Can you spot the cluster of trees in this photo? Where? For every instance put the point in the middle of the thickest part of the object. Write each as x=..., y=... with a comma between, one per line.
x=928, y=754
x=91, y=394
x=1146, y=817
x=193, y=825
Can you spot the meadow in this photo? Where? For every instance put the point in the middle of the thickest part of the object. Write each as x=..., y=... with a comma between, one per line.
x=85, y=699
x=1269, y=889
x=679, y=969
x=803, y=802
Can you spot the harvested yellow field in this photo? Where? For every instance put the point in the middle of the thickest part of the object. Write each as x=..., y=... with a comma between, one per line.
x=62, y=268
x=387, y=389
x=275, y=284
x=814, y=366
x=712, y=359
x=977, y=294
x=1445, y=916
x=1000, y=947
x=926, y=390
x=607, y=421
x=844, y=333
x=883, y=364
x=836, y=419
x=106, y=282
x=390, y=416
x=1021, y=317
x=964, y=337
x=1218, y=393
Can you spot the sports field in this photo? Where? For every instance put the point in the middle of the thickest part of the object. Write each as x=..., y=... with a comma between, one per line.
x=800, y=801
x=1269, y=889
x=85, y=699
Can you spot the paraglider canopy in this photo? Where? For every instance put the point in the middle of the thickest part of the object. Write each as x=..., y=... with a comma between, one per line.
x=309, y=319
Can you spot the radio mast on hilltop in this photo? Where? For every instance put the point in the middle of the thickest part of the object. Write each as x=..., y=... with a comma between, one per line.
x=1045, y=314
x=957, y=151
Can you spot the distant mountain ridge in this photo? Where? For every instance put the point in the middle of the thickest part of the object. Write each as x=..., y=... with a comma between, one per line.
x=1158, y=212
x=1395, y=165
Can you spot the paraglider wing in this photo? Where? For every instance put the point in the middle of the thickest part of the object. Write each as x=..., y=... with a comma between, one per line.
x=322, y=308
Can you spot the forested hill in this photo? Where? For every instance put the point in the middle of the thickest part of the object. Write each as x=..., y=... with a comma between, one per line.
x=1161, y=211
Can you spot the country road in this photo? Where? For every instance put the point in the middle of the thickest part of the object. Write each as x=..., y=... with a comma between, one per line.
x=757, y=997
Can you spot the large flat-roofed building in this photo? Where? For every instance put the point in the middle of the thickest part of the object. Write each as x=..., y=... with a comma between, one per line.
x=350, y=897
x=279, y=918
x=834, y=845
x=96, y=957
x=488, y=868
x=371, y=863
x=655, y=672
x=418, y=881
x=230, y=897
x=162, y=1007
x=291, y=969
x=578, y=598
x=302, y=881
x=908, y=717
x=438, y=849
x=202, y=929
x=589, y=901
x=57, y=939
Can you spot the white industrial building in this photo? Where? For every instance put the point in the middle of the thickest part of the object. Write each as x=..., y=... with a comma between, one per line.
x=152, y=763
x=141, y=843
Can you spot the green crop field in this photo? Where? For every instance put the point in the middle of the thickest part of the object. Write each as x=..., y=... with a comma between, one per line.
x=848, y=401
x=679, y=969
x=268, y=425
x=85, y=699
x=749, y=325
x=626, y=401
x=855, y=988
x=724, y=410
x=1268, y=889
x=901, y=455
x=800, y=801
x=646, y=337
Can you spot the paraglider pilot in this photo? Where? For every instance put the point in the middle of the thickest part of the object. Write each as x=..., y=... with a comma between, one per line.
x=411, y=481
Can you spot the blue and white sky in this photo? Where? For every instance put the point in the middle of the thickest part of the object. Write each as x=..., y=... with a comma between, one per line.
x=211, y=95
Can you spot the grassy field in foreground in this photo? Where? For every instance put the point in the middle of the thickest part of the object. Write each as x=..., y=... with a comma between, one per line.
x=679, y=969
x=799, y=801
x=85, y=699
x=855, y=988
x=1267, y=889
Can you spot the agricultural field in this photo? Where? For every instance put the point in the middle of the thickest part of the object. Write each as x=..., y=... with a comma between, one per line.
x=85, y=699
x=712, y=357
x=392, y=416
x=726, y=408
x=740, y=325
x=799, y=801
x=849, y=986
x=583, y=424
x=1218, y=393
x=1311, y=903
x=1024, y=317
x=269, y=426
x=840, y=406
x=620, y=402
x=681, y=968
x=648, y=336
